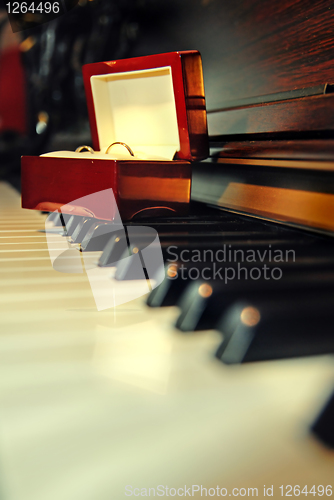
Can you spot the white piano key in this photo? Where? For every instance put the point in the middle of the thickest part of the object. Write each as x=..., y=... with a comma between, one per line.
x=91, y=402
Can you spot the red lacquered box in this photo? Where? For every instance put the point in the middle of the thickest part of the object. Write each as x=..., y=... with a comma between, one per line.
x=153, y=108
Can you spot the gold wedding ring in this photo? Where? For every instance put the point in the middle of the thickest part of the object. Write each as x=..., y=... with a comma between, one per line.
x=81, y=148
x=91, y=150
x=121, y=144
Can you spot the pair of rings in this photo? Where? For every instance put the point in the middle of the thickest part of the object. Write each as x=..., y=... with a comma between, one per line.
x=91, y=150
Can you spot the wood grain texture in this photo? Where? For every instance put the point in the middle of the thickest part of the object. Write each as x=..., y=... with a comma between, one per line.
x=138, y=186
x=268, y=162
x=309, y=114
x=278, y=46
x=303, y=197
x=249, y=47
x=313, y=149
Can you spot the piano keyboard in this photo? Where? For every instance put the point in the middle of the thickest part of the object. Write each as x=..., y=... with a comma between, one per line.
x=94, y=404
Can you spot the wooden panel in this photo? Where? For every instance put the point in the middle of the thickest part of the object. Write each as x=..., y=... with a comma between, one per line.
x=316, y=149
x=302, y=164
x=309, y=114
x=49, y=183
x=249, y=47
x=298, y=196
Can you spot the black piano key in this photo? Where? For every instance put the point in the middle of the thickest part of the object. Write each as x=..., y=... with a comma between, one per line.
x=180, y=275
x=186, y=248
x=60, y=221
x=116, y=248
x=190, y=226
x=97, y=236
x=55, y=218
x=142, y=237
x=64, y=219
x=81, y=229
x=323, y=427
x=169, y=291
x=72, y=224
x=178, y=247
x=122, y=242
x=203, y=302
x=202, y=215
x=132, y=268
x=68, y=224
x=213, y=235
x=266, y=329
x=147, y=257
x=301, y=261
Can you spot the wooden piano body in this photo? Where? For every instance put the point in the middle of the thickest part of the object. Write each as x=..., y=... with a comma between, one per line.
x=95, y=402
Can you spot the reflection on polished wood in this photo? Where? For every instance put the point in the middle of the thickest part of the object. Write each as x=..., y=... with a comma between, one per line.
x=139, y=188
x=299, y=206
x=291, y=149
x=307, y=114
x=271, y=189
x=50, y=183
x=311, y=165
x=286, y=205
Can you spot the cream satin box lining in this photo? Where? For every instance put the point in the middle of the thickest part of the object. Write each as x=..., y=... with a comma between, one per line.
x=137, y=108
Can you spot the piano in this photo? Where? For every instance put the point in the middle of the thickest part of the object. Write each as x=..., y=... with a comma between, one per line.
x=98, y=404
x=189, y=390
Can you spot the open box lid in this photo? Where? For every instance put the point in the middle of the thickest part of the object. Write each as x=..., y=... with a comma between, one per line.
x=154, y=104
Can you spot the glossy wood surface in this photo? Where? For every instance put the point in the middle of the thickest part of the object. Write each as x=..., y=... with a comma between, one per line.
x=249, y=47
x=189, y=95
x=280, y=190
x=313, y=149
x=308, y=114
x=49, y=183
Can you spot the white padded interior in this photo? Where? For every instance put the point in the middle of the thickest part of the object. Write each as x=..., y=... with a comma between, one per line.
x=137, y=108
x=99, y=155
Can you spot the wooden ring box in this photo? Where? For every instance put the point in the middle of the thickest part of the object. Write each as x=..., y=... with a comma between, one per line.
x=155, y=105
